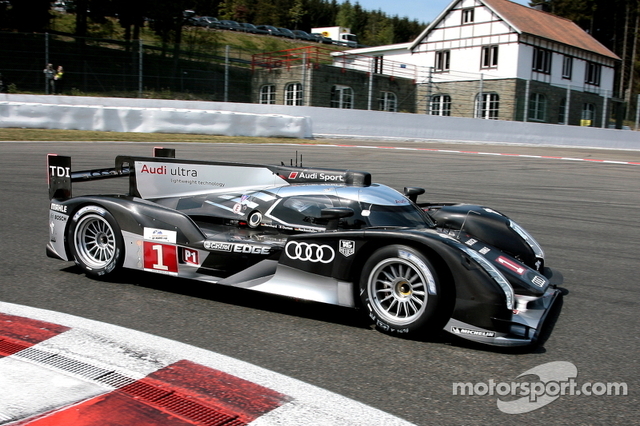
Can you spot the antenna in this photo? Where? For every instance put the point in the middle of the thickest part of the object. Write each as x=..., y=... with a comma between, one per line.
x=291, y=161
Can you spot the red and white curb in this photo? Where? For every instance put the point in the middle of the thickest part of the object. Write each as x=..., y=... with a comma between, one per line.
x=54, y=371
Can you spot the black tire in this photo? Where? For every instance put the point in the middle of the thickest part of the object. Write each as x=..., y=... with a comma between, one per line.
x=400, y=289
x=95, y=241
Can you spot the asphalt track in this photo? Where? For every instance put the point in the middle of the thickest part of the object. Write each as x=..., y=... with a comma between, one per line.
x=582, y=205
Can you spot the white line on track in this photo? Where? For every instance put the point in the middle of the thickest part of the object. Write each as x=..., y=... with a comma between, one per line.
x=396, y=148
x=453, y=151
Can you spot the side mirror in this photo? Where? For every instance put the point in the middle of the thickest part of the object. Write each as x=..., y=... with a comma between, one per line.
x=334, y=214
x=413, y=192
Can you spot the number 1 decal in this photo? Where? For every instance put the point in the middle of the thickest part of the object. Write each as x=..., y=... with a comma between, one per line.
x=159, y=266
x=160, y=258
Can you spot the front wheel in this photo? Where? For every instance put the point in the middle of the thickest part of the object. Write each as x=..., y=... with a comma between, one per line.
x=95, y=241
x=400, y=289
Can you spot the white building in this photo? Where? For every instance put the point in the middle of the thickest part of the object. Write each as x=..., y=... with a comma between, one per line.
x=484, y=58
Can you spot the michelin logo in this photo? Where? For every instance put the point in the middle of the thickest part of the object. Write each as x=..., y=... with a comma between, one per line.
x=469, y=332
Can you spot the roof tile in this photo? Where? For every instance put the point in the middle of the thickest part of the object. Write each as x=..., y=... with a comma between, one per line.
x=546, y=25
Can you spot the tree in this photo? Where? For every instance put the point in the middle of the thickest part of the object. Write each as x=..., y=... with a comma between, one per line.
x=81, y=7
x=29, y=15
x=296, y=13
x=346, y=15
x=131, y=17
x=266, y=13
x=614, y=24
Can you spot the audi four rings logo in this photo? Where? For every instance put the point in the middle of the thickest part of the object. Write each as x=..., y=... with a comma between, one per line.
x=306, y=252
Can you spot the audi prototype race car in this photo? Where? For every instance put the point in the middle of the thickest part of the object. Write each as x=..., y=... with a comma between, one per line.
x=317, y=234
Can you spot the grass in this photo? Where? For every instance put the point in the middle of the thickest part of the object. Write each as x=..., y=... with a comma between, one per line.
x=194, y=39
x=13, y=134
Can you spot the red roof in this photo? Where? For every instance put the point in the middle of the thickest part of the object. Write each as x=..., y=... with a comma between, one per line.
x=546, y=25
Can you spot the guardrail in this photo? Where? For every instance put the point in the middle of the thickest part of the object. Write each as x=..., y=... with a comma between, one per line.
x=311, y=56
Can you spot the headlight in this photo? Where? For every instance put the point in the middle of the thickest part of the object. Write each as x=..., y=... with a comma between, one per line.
x=494, y=273
x=537, y=250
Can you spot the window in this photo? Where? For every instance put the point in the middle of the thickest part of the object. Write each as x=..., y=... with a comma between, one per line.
x=377, y=64
x=467, y=16
x=542, y=60
x=440, y=105
x=305, y=210
x=489, y=57
x=268, y=94
x=562, y=113
x=592, y=75
x=293, y=94
x=342, y=97
x=567, y=67
x=487, y=106
x=537, y=107
x=442, y=60
x=588, y=115
x=388, y=102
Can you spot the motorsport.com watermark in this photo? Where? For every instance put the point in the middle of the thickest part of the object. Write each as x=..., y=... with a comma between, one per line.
x=556, y=379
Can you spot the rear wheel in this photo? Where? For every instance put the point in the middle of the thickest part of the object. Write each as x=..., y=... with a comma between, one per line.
x=400, y=289
x=95, y=241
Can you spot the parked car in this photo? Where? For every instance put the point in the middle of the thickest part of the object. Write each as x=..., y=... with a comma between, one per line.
x=250, y=28
x=303, y=35
x=207, y=22
x=227, y=24
x=188, y=15
x=286, y=33
x=319, y=38
x=58, y=6
x=270, y=30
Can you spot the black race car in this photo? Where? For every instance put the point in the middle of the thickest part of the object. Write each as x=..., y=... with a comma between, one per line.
x=324, y=235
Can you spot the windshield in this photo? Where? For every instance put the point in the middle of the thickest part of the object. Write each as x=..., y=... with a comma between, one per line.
x=375, y=206
x=407, y=215
x=371, y=215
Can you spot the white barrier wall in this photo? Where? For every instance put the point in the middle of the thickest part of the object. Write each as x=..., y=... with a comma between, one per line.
x=149, y=119
x=219, y=118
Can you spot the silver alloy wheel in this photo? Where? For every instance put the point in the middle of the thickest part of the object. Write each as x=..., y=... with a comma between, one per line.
x=398, y=290
x=95, y=241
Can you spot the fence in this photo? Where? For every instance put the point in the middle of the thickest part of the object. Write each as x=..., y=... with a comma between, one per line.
x=313, y=56
x=117, y=68
x=215, y=72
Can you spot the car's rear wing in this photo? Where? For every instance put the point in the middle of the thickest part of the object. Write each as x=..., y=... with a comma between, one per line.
x=163, y=176
x=60, y=176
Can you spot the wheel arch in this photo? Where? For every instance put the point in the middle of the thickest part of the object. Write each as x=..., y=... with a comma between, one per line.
x=76, y=204
x=89, y=254
x=437, y=260
x=133, y=215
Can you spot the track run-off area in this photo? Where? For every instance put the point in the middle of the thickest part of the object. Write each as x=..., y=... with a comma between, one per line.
x=582, y=205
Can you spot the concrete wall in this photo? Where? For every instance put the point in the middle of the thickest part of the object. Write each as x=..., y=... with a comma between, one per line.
x=297, y=121
x=101, y=114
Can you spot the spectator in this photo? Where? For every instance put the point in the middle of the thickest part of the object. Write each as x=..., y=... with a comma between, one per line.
x=4, y=88
x=59, y=81
x=49, y=74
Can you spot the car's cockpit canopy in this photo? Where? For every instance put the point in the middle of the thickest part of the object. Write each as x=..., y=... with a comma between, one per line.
x=372, y=206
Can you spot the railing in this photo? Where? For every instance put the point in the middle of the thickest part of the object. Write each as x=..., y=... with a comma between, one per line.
x=310, y=56
x=307, y=55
